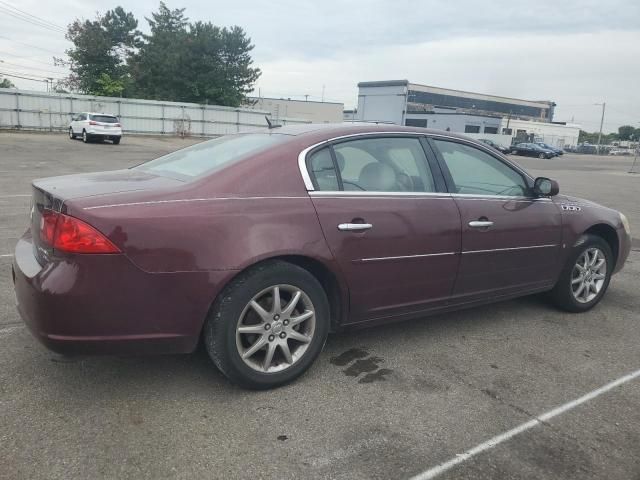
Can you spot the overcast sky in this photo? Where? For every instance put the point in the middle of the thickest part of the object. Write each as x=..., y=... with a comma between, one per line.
x=574, y=52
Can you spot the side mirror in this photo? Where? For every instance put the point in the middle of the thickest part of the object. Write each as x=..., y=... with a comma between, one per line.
x=545, y=187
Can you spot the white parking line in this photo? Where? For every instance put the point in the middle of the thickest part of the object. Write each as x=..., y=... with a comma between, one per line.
x=5, y=332
x=16, y=195
x=7, y=255
x=503, y=437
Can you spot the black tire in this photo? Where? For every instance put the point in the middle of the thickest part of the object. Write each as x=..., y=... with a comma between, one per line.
x=562, y=294
x=220, y=327
x=85, y=136
x=116, y=140
x=72, y=136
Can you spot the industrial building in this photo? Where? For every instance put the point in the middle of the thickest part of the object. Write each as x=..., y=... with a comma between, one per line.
x=311, y=111
x=475, y=114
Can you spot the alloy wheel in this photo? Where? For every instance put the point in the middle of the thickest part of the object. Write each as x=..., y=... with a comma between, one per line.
x=275, y=328
x=588, y=275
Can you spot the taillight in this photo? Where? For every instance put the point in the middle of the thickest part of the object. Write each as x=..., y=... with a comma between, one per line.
x=118, y=125
x=72, y=235
x=93, y=123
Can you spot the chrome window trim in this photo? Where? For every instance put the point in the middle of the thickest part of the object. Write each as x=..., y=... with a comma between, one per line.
x=302, y=156
x=402, y=257
x=372, y=193
x=509, y=249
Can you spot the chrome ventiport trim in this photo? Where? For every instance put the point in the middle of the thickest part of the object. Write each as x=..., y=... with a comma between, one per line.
x=509, y=249
x=403, y=257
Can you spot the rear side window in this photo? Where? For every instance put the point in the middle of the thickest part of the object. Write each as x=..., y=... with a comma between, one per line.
x=207, y=157
x=104, y=118
x=323, y=171
x=394, y=164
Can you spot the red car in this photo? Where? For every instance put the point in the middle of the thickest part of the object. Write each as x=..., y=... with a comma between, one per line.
x=263, y=243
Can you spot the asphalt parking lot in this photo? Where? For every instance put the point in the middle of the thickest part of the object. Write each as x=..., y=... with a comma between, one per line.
x=388, y=402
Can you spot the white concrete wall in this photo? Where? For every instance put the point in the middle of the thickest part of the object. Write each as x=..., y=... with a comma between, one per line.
x=315, y=112
x=557, y=135
x=382, y=104
x=29, y=110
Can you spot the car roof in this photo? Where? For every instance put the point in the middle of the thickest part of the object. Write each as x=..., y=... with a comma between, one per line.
x=100, y=113
x=353, y=128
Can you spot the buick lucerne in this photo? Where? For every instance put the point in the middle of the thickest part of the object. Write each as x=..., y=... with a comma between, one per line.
x=260, y=244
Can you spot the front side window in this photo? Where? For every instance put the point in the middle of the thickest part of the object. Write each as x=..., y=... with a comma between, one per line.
x=393, y=164
x=207, y=157
x=476, y=172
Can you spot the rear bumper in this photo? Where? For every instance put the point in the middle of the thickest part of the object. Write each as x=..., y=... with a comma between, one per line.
x=103, y=304
x=112, y=133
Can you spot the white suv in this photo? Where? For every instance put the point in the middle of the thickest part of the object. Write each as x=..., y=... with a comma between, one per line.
x=91, y=126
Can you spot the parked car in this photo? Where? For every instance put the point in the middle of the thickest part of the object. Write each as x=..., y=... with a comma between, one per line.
x=261, y=243
x=587, y=148
x=95, y=126
x=532, y=150
x=557, y=150
x=620, y=152
x=497, y=146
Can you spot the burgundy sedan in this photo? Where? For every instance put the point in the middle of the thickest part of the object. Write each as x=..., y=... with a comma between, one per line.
x=263, y=243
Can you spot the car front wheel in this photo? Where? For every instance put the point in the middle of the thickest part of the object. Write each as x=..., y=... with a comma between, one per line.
x=585, y=278
x=268, y=325
x=542, y=155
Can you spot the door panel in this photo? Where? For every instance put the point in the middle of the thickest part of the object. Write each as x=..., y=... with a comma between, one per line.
x=511, y=241
x=519, y=251
x=406, y=261
x=395, y=237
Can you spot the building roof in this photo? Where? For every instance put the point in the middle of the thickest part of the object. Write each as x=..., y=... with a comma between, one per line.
x=462, y=93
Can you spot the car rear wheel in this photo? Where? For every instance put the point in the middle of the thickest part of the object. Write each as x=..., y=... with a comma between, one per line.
x=268, y=325
x=585, y=278
x=116, y=140
x=85, y=137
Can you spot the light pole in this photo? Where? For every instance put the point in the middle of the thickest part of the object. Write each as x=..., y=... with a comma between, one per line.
x=601, y=123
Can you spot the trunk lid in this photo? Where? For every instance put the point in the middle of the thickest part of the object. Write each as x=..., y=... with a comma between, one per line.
x=52, y=193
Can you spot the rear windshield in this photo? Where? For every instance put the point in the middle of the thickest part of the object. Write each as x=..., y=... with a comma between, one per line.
x=104, y=118
x=207, y=157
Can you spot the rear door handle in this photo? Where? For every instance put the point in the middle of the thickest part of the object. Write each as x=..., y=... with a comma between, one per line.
x=354, y=227
x=480, y=223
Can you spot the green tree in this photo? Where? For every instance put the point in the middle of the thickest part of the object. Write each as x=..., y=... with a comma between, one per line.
x=625, y=132
x=101, y=47
x=109, y=87
x=193, y=62
x=6, y=83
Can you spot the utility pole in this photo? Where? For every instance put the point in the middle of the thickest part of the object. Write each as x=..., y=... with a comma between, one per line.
x=601, y=123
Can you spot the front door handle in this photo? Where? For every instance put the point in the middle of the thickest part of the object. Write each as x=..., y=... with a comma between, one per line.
x=480, y=223
x=354, y=227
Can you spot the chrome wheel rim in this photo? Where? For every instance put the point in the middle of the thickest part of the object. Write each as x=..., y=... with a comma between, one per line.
x=70, y=133
x=84, y=136
x=275, y=328
x=588, y=275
